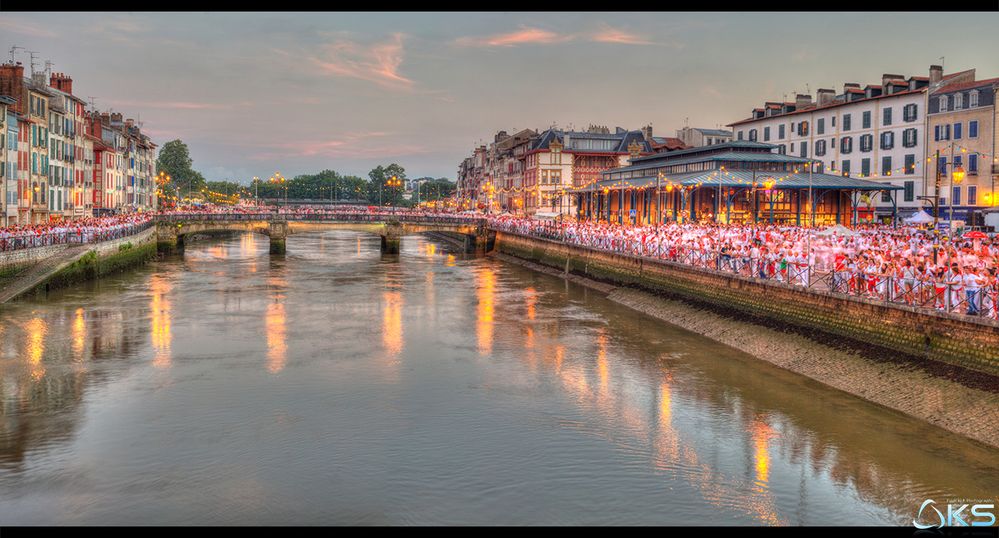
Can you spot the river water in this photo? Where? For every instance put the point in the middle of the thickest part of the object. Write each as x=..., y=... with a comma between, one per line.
x=337, y=385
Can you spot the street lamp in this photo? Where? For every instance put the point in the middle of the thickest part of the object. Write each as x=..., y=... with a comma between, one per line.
x=277, y=178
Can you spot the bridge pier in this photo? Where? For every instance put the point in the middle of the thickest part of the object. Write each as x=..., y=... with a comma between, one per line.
x=391, y=238
x=167, y=239
x=278, y=232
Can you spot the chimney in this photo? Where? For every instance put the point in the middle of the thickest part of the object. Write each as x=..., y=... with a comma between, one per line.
x=936, y=73
x=116, y=117
x=801, y=101
x=885, y=77
x=647, y=133
x=61, y=82
x=826, y=96
x=850, y=85
x=12, y=85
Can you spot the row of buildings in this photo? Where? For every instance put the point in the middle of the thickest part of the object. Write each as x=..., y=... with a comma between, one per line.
x=62, y=160
x=908, y=135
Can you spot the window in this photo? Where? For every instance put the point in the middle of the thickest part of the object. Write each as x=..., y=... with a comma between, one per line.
x=972, y=195
x=886, y=165
x=782, y=149
x=834, y=121
x=792, y=147
x=780, y=131
x=973, y=129
x=740, y=135
x=820, y=147
x=887, y=116
x=957, y=131
x=846, y=122
x=766, y=134
x=887, y=140
x=942, y=165
x=803, y=128
x=866, y=122
x=958, y=100
x=820, y=128
x=957, y=195
x=973, y=164
x=752, y=135
x=886, y=196
x=833, y=140
x=804, y=149
x=846, y=168
x=946, y=132
x=943, y=103
x=973, y=98
x=909, y=112
x=910, y=163
x=846, y=144
x=909, y=192
x=909, y=137
x=865, y=167
x=866, y=143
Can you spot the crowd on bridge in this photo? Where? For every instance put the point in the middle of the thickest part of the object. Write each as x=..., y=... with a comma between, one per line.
x=87, y=230
x=902, y=265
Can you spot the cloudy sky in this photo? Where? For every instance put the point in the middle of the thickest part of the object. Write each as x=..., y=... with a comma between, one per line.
x=298, y=92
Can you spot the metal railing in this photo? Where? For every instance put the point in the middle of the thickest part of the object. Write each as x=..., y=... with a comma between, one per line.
x=24, y=240
x=323, y=217
x=947, y=294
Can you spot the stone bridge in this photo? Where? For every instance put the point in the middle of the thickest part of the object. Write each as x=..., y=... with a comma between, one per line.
x=173, y=228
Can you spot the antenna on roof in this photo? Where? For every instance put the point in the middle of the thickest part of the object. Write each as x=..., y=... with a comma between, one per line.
x=808, y=90
x=941, y=63
x=12, y=51
x=31, y=54
x=92, y=99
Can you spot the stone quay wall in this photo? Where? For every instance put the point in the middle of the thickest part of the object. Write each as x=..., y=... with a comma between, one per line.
x=951, y=338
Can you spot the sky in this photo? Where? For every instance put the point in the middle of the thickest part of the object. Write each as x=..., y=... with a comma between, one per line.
x=252, y=94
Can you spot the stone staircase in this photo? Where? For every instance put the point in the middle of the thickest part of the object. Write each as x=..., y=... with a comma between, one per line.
x=36, y=274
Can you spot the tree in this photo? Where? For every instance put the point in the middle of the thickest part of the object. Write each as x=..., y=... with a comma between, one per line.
x=378, y=188
x=175, y=160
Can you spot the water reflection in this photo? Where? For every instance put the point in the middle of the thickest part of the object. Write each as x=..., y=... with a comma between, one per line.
x=159, y=308
x=275, y=322
x=621, y=417
x=486, y=293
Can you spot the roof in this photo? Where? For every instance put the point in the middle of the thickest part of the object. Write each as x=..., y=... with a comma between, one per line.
x=966, y=85
x=744, y=144
x=668, y=143
x=715, y=132
x=744, y=179
x=735, y=156
x=623, y=141
x=833, y=104
x=7, y=100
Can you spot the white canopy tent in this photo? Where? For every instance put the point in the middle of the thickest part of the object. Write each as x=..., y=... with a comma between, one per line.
x=922, y=217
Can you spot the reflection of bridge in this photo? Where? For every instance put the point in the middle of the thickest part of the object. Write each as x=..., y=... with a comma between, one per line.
x=171, y=229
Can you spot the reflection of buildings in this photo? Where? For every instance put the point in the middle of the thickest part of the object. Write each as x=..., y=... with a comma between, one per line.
x=46, y=365
x=637, y=404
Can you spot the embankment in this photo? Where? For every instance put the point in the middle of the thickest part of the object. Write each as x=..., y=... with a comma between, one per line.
x=67, y=265
x=943, y=393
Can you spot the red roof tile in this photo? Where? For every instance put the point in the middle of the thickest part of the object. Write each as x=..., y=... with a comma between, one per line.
x=832, y=105
x=965, y=85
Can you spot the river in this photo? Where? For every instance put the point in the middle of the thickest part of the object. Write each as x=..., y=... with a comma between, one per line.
x=337, y=385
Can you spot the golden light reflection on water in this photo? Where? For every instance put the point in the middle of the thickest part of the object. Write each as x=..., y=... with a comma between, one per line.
x=761, y=433
x=159, y=306
x=35, y=331
x=277, y=346
x=248, y=245
x=430, y=250
x=276, y=325
x=450, y=260
x=79, y=334
x=602, y=368
x=531, y=297
x=392, y=322
x=486, y=292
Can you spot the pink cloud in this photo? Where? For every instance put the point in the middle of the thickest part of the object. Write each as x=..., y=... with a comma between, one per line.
x=523, y=36
x=613, y=35
x=378, y=63
x=174, y=105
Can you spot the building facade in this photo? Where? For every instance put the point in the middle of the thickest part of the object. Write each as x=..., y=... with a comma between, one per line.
x=961, y=132
x=697, y=136
x=876, y=133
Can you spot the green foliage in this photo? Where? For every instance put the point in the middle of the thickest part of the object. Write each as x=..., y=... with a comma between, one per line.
x=175, y=160
x=126, y=246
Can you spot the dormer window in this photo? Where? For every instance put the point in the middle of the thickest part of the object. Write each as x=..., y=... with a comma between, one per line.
x=973, y=98
x=943, y=103
x=958, y=100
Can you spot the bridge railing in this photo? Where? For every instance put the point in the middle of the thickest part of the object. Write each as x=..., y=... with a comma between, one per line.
x=321, y=217
x=10, y=241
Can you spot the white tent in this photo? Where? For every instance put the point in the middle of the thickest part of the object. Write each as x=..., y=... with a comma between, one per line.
x=920, y=218
x=838, y=229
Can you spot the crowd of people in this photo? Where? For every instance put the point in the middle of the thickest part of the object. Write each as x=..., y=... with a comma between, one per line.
x=88, y=230
x=901, y=265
